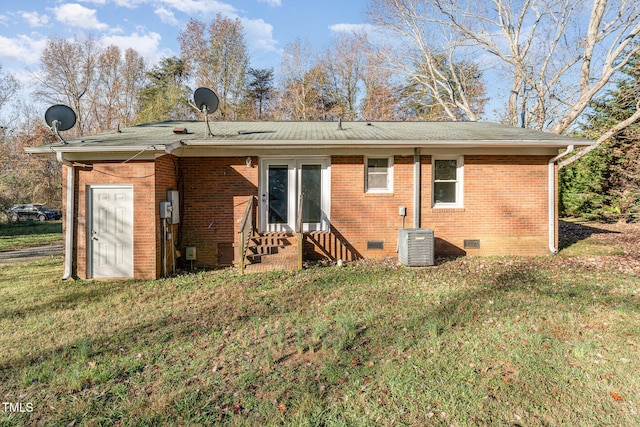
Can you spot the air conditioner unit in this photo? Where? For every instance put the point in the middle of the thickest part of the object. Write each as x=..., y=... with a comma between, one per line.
x=415, y=247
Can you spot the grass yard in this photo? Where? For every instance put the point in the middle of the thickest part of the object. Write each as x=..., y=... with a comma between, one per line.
x=472, y=341
x=25, y=234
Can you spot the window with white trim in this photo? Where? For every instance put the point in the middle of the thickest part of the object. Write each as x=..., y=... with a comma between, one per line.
x=378, y=174
x=448, y=178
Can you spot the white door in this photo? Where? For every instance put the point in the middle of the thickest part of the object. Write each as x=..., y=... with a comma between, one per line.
x=282, y=182
x=110, y=232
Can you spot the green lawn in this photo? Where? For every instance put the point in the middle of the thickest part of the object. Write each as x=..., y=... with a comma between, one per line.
x=24, y=234
x=472, y=341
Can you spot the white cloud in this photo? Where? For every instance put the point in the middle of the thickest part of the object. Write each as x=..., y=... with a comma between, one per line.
x=78, y=16
x=259, y=34
x=199, y=7
x=352, y=28
x=145, y=44
x=22, y=49
x=34, y=19
x=273, y=3
x=166, y=16
x=132, y=4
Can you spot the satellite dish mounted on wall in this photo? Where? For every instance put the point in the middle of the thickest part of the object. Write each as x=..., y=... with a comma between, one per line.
x=205, y=101
x=60, y=118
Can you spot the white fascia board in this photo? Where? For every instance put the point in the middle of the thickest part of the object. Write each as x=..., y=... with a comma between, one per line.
x=336, y=144
x=208, y=151
x=101, y=153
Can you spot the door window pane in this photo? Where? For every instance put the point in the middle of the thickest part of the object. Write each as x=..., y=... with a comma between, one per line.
x=312, y=190
x=278, y=194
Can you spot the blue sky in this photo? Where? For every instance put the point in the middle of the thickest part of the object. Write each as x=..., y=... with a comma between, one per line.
x=151, y=26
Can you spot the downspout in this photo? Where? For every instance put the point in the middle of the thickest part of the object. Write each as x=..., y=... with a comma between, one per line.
x=68, y=239
x=552, y=198
x=416, y=188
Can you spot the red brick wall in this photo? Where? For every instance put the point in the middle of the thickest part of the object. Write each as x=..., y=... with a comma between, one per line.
x=358, y=217
x=141, y=175
x=505, y=207
x=214, y=192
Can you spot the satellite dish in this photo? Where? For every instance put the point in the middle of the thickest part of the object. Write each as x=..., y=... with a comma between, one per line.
x=60, y=118
x=205, y=101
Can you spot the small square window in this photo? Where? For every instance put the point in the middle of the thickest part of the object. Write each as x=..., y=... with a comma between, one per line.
x=379, y=174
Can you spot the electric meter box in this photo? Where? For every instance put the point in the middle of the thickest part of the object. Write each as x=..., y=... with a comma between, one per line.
x=190, y=253
x=174, y=198
x=165, y=210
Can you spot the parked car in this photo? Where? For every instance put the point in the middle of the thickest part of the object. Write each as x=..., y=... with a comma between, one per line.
x=33, y=211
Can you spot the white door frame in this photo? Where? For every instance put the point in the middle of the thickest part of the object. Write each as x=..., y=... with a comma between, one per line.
x=90, y=217
x=294, y=179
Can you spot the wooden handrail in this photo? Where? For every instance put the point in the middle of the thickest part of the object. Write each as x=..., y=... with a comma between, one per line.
x=300, y=214
x=299, y=229
x=246, y=231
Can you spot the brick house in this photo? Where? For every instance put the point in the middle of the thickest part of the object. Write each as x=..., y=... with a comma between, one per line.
x=483, y=188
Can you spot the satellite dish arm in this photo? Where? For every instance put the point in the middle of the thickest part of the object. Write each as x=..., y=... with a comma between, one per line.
x=205, y=110
x=54, y=126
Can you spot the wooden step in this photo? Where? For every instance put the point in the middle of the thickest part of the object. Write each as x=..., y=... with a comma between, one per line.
x=271, y=251
x=262, y=267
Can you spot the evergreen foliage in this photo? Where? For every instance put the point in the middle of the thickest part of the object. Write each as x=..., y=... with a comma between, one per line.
x=605, y=184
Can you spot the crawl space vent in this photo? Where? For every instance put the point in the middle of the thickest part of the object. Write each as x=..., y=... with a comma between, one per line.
x=472, y=244
x=375, y=244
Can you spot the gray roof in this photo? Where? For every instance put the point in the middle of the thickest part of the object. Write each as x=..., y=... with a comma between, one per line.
x=259, y=134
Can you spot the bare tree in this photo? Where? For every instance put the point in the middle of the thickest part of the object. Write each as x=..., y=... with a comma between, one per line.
x=68, y=74
x=559, y=53
x=8, y=87
x=429, y=55
x=344, y=62
x=301, y=82
x=106, y=94
x=218, y=60
x=380, y=100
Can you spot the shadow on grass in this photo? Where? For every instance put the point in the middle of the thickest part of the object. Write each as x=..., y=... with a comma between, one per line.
x=514, y=288
x=30, y=227
x=83, y=293
x=570, y=233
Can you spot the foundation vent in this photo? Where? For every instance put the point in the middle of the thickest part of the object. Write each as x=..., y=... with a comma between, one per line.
x=375, y=244
x=472, y=244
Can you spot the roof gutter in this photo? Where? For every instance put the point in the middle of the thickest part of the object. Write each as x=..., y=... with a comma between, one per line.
x=552, y=198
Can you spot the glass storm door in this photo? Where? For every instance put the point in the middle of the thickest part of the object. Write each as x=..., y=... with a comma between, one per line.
x=282, y=183
x=312, y=185
x=278, y=196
